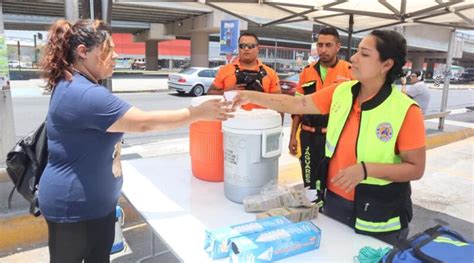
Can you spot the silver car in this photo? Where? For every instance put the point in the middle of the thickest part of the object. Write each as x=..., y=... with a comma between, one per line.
x=193, y=80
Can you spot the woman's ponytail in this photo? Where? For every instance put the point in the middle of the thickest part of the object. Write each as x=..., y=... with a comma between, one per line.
x=58, y=56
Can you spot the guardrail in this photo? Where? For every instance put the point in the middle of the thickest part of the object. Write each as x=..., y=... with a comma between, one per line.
x=436, y=115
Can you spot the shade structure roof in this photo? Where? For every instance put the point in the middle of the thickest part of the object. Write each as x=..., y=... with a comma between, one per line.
x=351, y=15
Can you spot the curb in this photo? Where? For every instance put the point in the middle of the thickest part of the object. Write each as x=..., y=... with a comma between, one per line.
x=25, y=231
x=437, y=140
x=4, y=176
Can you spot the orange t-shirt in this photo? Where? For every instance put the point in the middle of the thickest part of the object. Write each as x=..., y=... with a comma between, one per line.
x=226, y=78
x=410, y=137
x=340, y=72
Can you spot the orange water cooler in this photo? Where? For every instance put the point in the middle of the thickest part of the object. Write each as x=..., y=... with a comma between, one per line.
x=205, y=146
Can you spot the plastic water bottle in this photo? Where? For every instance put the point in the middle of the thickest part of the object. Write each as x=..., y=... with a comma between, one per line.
x=118, y=238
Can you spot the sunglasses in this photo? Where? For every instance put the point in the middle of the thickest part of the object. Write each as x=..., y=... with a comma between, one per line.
x=249, y=46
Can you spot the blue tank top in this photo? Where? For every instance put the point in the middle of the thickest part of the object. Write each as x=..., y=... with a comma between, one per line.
x=77, y=183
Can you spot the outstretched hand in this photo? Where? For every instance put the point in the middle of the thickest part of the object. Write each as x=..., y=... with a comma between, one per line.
x=242, y=97
x=212, y=110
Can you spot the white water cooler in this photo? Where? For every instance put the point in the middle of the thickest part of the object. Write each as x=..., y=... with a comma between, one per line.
x=252, y=146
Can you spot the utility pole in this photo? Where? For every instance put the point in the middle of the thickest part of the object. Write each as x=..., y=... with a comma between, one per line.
x=275, y=56
x=7, y=124
x=349, y=37
x=34, y=50
x=19, y=54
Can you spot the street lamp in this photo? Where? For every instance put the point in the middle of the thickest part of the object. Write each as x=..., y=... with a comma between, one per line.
x=38, y=36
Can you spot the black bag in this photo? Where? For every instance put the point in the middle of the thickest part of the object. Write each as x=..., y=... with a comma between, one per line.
x=25, y=165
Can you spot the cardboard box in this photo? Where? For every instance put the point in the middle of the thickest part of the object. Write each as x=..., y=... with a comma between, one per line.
x=293, y=195
x=293, y=214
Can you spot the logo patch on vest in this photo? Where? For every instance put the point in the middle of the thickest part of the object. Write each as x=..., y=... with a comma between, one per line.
x=384, y=131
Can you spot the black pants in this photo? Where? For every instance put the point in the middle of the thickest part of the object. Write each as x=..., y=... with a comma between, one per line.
x=342, y=210
x=312, y=153
x=89, y=240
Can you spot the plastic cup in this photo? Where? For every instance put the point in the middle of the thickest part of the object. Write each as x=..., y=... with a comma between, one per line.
x=229, y=95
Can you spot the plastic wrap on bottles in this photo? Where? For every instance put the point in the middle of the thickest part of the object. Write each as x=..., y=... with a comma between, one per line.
x=273, y=196
x=276, y=244
x=217, y=240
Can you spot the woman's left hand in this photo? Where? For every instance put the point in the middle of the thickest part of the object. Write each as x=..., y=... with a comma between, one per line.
x=349, y=178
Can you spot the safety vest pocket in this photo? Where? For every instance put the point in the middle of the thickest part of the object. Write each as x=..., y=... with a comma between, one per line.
x=380, y=209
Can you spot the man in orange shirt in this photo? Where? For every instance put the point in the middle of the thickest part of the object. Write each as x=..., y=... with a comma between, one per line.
x=329, y=69
x=246, y=72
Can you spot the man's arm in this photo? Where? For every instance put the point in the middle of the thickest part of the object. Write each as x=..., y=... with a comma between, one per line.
x=294, y=128
x=218, y=85
x=214, y=90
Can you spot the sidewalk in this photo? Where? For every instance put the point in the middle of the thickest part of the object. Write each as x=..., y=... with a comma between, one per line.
x=451, y=86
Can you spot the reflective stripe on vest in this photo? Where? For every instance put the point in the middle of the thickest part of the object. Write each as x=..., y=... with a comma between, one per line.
x=392, y=224
x=329, y=148
x=441, y=239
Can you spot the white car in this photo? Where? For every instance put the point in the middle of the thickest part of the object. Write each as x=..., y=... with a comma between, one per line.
x=13, y=63
x=193, y=80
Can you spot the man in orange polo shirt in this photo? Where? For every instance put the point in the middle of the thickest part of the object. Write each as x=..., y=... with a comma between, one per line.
x=246, y=72
x=329, y=69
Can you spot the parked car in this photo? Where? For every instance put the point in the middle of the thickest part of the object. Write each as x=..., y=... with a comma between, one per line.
x=467, y=76
x=288, y=84
x=17, y=64
x=123, y=63
x=138, y=64
x=193, y=80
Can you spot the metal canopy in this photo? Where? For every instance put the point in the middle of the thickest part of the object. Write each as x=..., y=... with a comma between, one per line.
x=355, y=16
x=366, y=14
